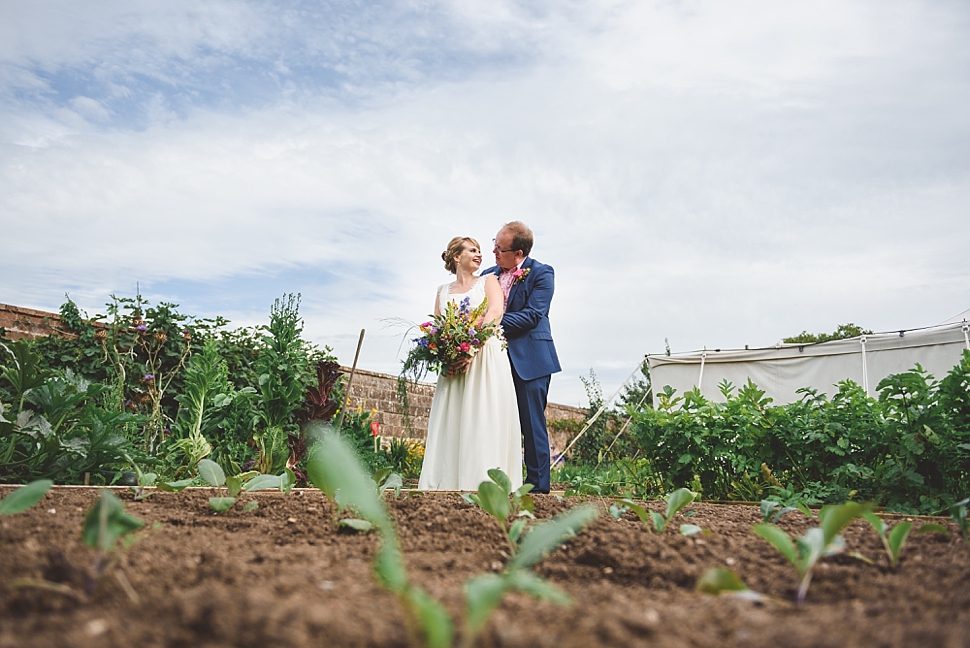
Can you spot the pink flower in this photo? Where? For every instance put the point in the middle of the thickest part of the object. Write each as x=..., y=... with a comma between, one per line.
x=465, y=347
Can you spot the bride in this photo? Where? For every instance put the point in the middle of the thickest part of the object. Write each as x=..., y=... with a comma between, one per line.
x=474, y=420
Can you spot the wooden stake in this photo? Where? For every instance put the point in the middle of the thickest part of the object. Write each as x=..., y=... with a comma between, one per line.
x=350, y=381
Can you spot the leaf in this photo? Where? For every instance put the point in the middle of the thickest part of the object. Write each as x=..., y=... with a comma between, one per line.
x=538, y=588
x=719, y=579
x=641, y=511
x=147, y=479
x=221, y=504
x=470, y=498
x=262, y=482
x=211, y=472
x=24, y=497
x=175, y=486
x=516, y=530
x=482, y=595
x=689, y=529
x=389, y=568
x=897, y=538
x=501, y=479
x=834, y=518
x=233, y=485
x=251, y=505
x=933, y=528
x=106, y=522
x=356, y=524
x=494, y=501
x=877, y=522
x=678, y=500
x=546, y=536
x=803, y=507
x=617, y=510
x=434, y=619
x=393, y=482
x=287, y=480
x=767, y=506
x=659, y=523
x=779, y=540
x=337, y=467
x=525, y=489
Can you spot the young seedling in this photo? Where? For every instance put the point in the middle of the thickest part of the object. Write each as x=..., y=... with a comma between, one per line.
x=771, y=511
x=675, y=502
x=893, y=540
x=104, y=525
x=815, y=544
x=497, y=498
x=249, y=482
x=334, y=468
x=24, y=497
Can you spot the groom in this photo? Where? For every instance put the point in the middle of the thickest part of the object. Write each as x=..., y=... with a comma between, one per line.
x=528, y=287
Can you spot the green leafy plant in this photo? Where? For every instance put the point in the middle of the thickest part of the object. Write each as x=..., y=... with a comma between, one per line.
x=817, y=542
x=250, y=482
x=497, y=498
x=772, y=511
x=105, y=525
x=675, y=502
x=25, y=497
x=720, y=580
x=334, y=468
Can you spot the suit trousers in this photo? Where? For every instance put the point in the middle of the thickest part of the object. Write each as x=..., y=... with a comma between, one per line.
x=532, y=396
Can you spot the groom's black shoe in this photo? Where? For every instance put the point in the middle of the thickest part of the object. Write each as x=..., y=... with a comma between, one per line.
x=540, y=492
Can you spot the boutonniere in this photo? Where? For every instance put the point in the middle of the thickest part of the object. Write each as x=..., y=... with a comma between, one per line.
x=519, y=275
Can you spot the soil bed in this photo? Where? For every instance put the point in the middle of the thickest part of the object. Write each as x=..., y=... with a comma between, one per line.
x=281, y=576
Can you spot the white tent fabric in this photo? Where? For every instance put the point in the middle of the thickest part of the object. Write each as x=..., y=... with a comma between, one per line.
x=784, y=368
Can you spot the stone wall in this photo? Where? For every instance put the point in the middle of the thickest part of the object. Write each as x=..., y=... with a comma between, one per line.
x=370, y=390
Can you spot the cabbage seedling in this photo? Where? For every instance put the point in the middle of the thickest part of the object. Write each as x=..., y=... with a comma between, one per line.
x=675, y=502
x=24, y=497
x=497, y=498
x=771, y=511
x=334, y=468
x=249, y=482
x=105, y=524
x=893, y=540
x=815, y=544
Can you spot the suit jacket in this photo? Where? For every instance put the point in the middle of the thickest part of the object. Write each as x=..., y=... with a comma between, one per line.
x=526, y=321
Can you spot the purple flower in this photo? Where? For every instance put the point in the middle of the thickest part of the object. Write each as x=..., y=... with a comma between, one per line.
x=148, y=378
x=465, y=305
x=142, y=327
x=472, y=332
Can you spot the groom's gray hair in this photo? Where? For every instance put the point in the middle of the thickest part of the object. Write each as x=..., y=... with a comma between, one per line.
x=521, y=236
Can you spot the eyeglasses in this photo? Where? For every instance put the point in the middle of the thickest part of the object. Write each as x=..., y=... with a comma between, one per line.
x=496, y=248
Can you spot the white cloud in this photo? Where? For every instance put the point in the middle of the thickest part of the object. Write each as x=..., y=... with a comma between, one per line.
x=715, y=174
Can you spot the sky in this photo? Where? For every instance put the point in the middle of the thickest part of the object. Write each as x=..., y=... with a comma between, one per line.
x=698, y=173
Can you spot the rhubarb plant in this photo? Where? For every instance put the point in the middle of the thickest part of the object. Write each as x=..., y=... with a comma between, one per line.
x=335, y=469
x=818, y=542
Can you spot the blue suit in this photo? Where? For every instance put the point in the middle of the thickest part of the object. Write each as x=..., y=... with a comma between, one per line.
x=534, y=360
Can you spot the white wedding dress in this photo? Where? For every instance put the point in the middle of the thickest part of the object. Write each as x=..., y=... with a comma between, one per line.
x=474, y=420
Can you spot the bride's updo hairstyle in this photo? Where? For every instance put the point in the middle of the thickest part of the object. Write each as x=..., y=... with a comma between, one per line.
x=455, y=246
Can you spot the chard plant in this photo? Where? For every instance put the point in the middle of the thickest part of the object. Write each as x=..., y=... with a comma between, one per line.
x=106, y=524
x=334, y=468
x=818, y=542
x=675, y=501
x=497, y=498
x=25, y=497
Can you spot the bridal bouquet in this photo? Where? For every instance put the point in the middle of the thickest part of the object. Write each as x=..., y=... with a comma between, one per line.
x=448, y=339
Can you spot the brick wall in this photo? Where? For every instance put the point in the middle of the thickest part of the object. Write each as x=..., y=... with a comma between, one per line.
x=369, y=390
x=29, y=323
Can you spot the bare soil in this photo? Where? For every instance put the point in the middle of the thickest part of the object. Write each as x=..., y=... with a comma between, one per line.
x=281, y=576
